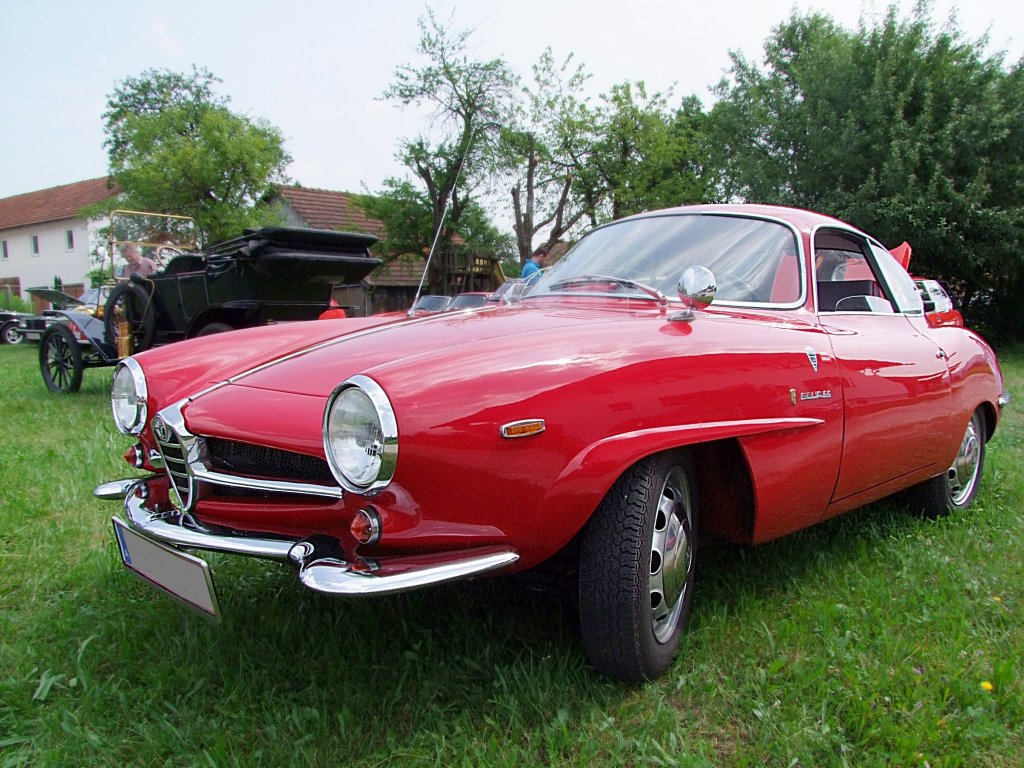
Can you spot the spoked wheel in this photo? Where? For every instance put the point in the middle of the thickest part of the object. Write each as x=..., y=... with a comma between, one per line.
x=60, y=360
x=956, y=488
x=637, y=569
x=130, y=307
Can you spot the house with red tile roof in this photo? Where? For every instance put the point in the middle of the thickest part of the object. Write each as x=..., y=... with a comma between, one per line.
x=43, y=238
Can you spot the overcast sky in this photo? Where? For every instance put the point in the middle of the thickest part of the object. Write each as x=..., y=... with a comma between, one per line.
x=316, y=68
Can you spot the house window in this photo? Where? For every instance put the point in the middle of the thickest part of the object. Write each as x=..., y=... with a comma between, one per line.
x=69, y=238
x=3, y=250
x=35, y=245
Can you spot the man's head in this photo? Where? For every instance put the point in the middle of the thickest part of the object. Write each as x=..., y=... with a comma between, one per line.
x=131, y=253
x=541, y=256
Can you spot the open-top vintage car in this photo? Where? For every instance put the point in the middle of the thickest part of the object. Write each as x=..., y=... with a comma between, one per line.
x=598, y=419
x=266, y=275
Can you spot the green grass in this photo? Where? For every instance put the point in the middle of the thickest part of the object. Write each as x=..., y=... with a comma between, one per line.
x=864, y=641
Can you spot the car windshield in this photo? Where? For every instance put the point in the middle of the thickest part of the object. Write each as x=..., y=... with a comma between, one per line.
x=753, y=260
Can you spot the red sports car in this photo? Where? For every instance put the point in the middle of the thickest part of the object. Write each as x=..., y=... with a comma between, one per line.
x=613, y=414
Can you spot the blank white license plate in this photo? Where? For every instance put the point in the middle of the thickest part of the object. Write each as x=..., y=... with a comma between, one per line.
x=182, y=576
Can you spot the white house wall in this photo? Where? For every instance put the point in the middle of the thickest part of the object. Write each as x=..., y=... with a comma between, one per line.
x=54, y=258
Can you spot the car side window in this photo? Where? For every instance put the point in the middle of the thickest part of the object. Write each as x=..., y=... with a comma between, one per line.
x=845, y=278
x=904, y=292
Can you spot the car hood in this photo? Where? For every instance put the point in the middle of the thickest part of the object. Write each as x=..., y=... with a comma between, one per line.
x=431, y=350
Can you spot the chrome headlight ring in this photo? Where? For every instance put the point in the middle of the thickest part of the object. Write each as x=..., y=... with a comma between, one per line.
x=128, y=396
x=360, y=435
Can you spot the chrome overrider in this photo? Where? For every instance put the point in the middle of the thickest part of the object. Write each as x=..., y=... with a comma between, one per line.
x=322, y=564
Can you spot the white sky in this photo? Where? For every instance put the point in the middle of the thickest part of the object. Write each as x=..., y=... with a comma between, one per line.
x=316, y=68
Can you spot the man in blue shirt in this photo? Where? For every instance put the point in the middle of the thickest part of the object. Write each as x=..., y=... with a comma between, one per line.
x=531, y=269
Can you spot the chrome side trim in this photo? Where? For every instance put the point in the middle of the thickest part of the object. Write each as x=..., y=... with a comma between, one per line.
x=185, y=531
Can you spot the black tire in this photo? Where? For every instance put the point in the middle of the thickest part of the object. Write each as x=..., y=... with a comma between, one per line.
x=9, y=333
x=955, y=488
x=211, y=328
x=60, y=360
x=130, y=302
x=637, y=568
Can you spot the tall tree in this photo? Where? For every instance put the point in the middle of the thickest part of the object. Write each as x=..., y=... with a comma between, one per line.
x=468, y=102
x=174, y=146
x=909, y=132
x=540, y=149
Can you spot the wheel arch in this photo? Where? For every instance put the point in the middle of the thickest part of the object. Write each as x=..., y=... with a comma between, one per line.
x=233, y=316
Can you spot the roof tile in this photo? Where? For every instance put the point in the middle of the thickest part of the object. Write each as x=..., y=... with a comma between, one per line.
x=55, y=203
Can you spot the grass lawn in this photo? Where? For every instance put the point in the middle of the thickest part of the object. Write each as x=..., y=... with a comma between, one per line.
x=873, y=639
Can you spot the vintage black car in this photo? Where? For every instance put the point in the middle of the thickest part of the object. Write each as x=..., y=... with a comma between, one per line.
x=268, y=275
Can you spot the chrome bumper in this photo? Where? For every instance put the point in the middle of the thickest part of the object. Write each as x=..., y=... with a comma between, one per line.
x=321, y=562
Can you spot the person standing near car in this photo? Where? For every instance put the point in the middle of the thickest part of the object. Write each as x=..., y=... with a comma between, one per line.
x=534, y=264
x=137, y=264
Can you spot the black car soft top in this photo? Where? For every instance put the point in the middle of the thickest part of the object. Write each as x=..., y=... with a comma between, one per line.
x=294, y=239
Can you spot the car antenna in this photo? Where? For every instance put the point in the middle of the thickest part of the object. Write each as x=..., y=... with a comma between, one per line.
x=440, y=224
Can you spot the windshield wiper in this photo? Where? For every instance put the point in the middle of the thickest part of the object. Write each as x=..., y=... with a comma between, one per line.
x=654, y=293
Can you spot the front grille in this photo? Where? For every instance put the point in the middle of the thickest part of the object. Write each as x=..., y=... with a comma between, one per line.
x=176, y=466
x=260, y=461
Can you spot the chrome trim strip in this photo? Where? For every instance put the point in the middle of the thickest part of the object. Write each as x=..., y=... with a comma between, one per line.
x=202, y=474
x=185, y=531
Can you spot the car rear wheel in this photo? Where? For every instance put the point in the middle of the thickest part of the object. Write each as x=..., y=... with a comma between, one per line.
x=10, y=334
x=130, y=306
x=956, y=488
x=637, y=568
x=60, y=360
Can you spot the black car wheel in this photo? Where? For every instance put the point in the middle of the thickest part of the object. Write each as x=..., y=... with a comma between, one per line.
x=60, y=360
x=956, y=488
x=637, y=568
x=130, y=306
x=9, y=333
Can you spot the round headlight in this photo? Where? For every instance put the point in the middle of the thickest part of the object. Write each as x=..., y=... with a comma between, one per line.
x=361, y=435
x=128, y=397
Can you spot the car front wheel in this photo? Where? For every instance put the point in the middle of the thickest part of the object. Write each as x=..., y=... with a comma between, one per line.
x=956, y=488
x=637, y=567
x=60, y=360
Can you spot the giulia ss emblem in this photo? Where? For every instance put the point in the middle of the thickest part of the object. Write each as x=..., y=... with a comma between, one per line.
x=160, y=430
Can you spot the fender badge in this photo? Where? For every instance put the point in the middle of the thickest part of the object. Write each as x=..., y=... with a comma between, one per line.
x=792, y=396
x=813, y=357
x=524, y=428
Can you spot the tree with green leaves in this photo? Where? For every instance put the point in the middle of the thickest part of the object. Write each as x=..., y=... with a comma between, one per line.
x=468, y=102
x=539, y=150
x=906, y=131
x=643, y=154
x=174, y=146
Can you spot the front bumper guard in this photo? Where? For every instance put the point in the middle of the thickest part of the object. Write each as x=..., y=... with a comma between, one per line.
x=321, y=562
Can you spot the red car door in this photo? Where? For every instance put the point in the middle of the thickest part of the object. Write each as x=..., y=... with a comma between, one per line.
x=895, y=381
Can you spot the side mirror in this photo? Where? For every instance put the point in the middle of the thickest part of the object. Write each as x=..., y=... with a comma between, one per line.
x=697, y=287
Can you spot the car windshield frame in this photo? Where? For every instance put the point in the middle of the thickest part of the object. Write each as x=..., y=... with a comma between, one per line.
x=648, y=254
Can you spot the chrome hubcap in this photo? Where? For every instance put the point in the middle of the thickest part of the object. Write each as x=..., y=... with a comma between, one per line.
x=671, y=553
x=963, y=475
